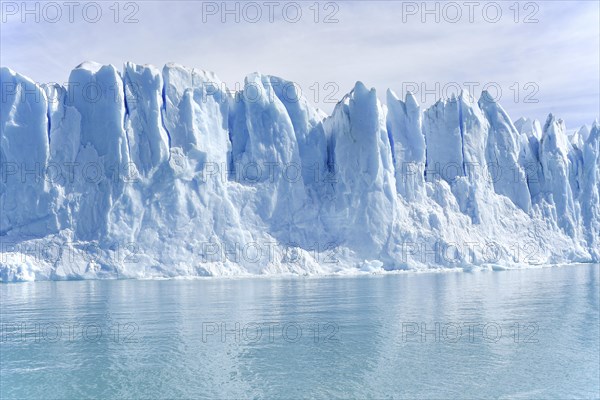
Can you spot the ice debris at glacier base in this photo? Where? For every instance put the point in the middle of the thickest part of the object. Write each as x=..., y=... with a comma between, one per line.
x=148, y=173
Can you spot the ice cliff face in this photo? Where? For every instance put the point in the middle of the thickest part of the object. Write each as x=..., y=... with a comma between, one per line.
x=150, y=173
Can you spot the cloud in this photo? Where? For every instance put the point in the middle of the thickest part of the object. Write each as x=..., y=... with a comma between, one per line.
x=380, y=43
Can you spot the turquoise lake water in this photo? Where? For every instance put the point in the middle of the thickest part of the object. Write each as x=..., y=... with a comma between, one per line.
x=504, y=334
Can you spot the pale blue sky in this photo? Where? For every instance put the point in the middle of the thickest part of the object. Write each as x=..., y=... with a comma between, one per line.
x=380, y=43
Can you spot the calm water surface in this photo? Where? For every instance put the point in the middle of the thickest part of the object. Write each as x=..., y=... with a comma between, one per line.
x=507, y=334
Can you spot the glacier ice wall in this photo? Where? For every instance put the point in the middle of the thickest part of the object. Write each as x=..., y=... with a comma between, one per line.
x=148, y=173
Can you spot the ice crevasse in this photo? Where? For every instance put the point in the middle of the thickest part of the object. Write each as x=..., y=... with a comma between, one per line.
x=143, y=173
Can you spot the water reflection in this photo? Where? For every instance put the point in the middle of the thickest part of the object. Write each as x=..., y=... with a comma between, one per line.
x=373, y=336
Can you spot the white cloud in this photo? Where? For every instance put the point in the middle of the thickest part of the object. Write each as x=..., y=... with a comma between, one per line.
x=560, y=54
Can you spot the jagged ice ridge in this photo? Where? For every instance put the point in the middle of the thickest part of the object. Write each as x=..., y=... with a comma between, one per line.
x=146, y=173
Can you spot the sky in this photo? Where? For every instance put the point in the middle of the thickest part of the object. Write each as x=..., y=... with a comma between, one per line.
x=534, y=57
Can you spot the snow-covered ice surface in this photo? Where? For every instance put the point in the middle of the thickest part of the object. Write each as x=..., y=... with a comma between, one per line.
x=144, y=173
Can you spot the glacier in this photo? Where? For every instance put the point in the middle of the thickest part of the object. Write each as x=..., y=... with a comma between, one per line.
x=149, y=173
